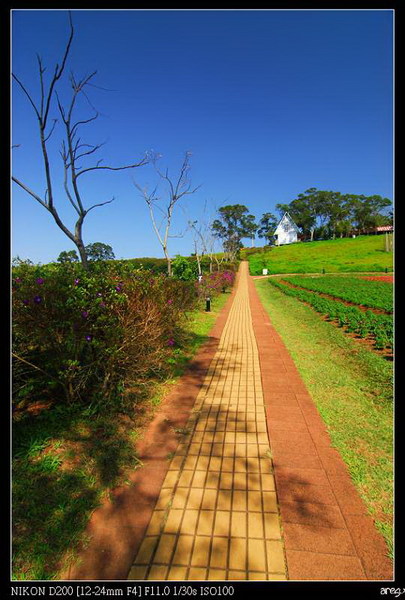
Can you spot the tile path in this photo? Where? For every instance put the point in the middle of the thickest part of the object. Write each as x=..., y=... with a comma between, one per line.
x=217, y=515
x=254, y=429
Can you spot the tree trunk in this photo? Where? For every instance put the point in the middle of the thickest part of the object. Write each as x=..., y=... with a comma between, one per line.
x=83, y=254
x=78, y=239
x=197, y=255
x=198, y=264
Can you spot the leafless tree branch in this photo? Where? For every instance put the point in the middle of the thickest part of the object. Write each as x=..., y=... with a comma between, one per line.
x=30, y=192
x=100, y=204
x=142, y=162
x=177, y=189
x=72, y=149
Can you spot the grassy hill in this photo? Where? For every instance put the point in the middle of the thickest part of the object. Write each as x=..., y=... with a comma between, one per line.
x=345, y=255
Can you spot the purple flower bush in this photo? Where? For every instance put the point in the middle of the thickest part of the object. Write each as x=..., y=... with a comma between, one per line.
x=215, y=283
x=112, y=323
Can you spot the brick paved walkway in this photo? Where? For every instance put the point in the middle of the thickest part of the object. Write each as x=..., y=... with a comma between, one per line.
x=218, y=515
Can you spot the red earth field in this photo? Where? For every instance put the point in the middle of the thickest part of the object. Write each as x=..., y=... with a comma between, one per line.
x=387, y=278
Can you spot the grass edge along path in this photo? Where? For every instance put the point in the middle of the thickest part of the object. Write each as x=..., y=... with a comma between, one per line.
x=48, y=531
x=352, y=389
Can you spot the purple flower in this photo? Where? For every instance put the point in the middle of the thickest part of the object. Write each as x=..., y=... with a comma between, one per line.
x=118, y=288
x=37, y=299
x=170, y=302
x=26, y=302
x=40, y=281
x=85, y=314
x=17, y=280
x=77, y=281
x=170, y=342
x=89, y=338
x=99, y=294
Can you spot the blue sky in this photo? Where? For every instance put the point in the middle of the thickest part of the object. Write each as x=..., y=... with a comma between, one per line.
x=269, y=103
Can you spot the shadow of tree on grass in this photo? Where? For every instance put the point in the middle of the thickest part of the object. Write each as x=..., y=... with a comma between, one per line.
x=66, y=460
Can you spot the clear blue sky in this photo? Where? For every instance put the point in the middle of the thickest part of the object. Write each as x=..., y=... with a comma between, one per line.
x=269, y=103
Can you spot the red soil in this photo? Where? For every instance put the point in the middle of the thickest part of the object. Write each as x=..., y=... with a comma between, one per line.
x=387, y=278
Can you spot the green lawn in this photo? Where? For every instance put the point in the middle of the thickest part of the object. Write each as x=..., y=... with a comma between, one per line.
x=67, y=459
x=363, y=253
x=352, y=388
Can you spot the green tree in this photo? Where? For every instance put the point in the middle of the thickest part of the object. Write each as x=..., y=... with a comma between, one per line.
x=68, y=256
x=329, y=213
x=233, y=224
x=267, y=226
x=367, y=211
x=17, y=261
x=99, y=251
x=183, y=269
x=338, y=213
x=251, y=228
x=302, y=212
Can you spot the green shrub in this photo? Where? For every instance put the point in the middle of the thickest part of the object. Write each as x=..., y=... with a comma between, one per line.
x=184, y=269
x=77, y=335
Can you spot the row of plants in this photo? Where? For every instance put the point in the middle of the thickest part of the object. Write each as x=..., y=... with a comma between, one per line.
x=78, y=335
x=375, y=294
x=102, y=252
x=363, y=323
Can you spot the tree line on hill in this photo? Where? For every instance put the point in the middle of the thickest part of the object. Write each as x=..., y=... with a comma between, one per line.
x=317, y=213
x=328, y=214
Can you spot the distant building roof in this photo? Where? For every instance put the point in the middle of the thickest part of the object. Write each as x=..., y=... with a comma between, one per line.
x=385, y=228
x=286, y=219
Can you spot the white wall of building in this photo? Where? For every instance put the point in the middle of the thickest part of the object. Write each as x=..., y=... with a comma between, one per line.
x=286, y=231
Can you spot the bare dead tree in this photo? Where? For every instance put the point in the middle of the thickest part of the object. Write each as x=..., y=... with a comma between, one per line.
x=72, y=149
x=214, y=251
x=201, y=238
x=199, y=243
x=177, y=188
x=204, y=240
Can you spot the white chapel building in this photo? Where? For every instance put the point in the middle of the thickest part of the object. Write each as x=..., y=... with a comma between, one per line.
x=286, y=231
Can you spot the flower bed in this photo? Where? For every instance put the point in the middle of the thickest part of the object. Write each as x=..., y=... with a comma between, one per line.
x=215, y=283
x=81, y=332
